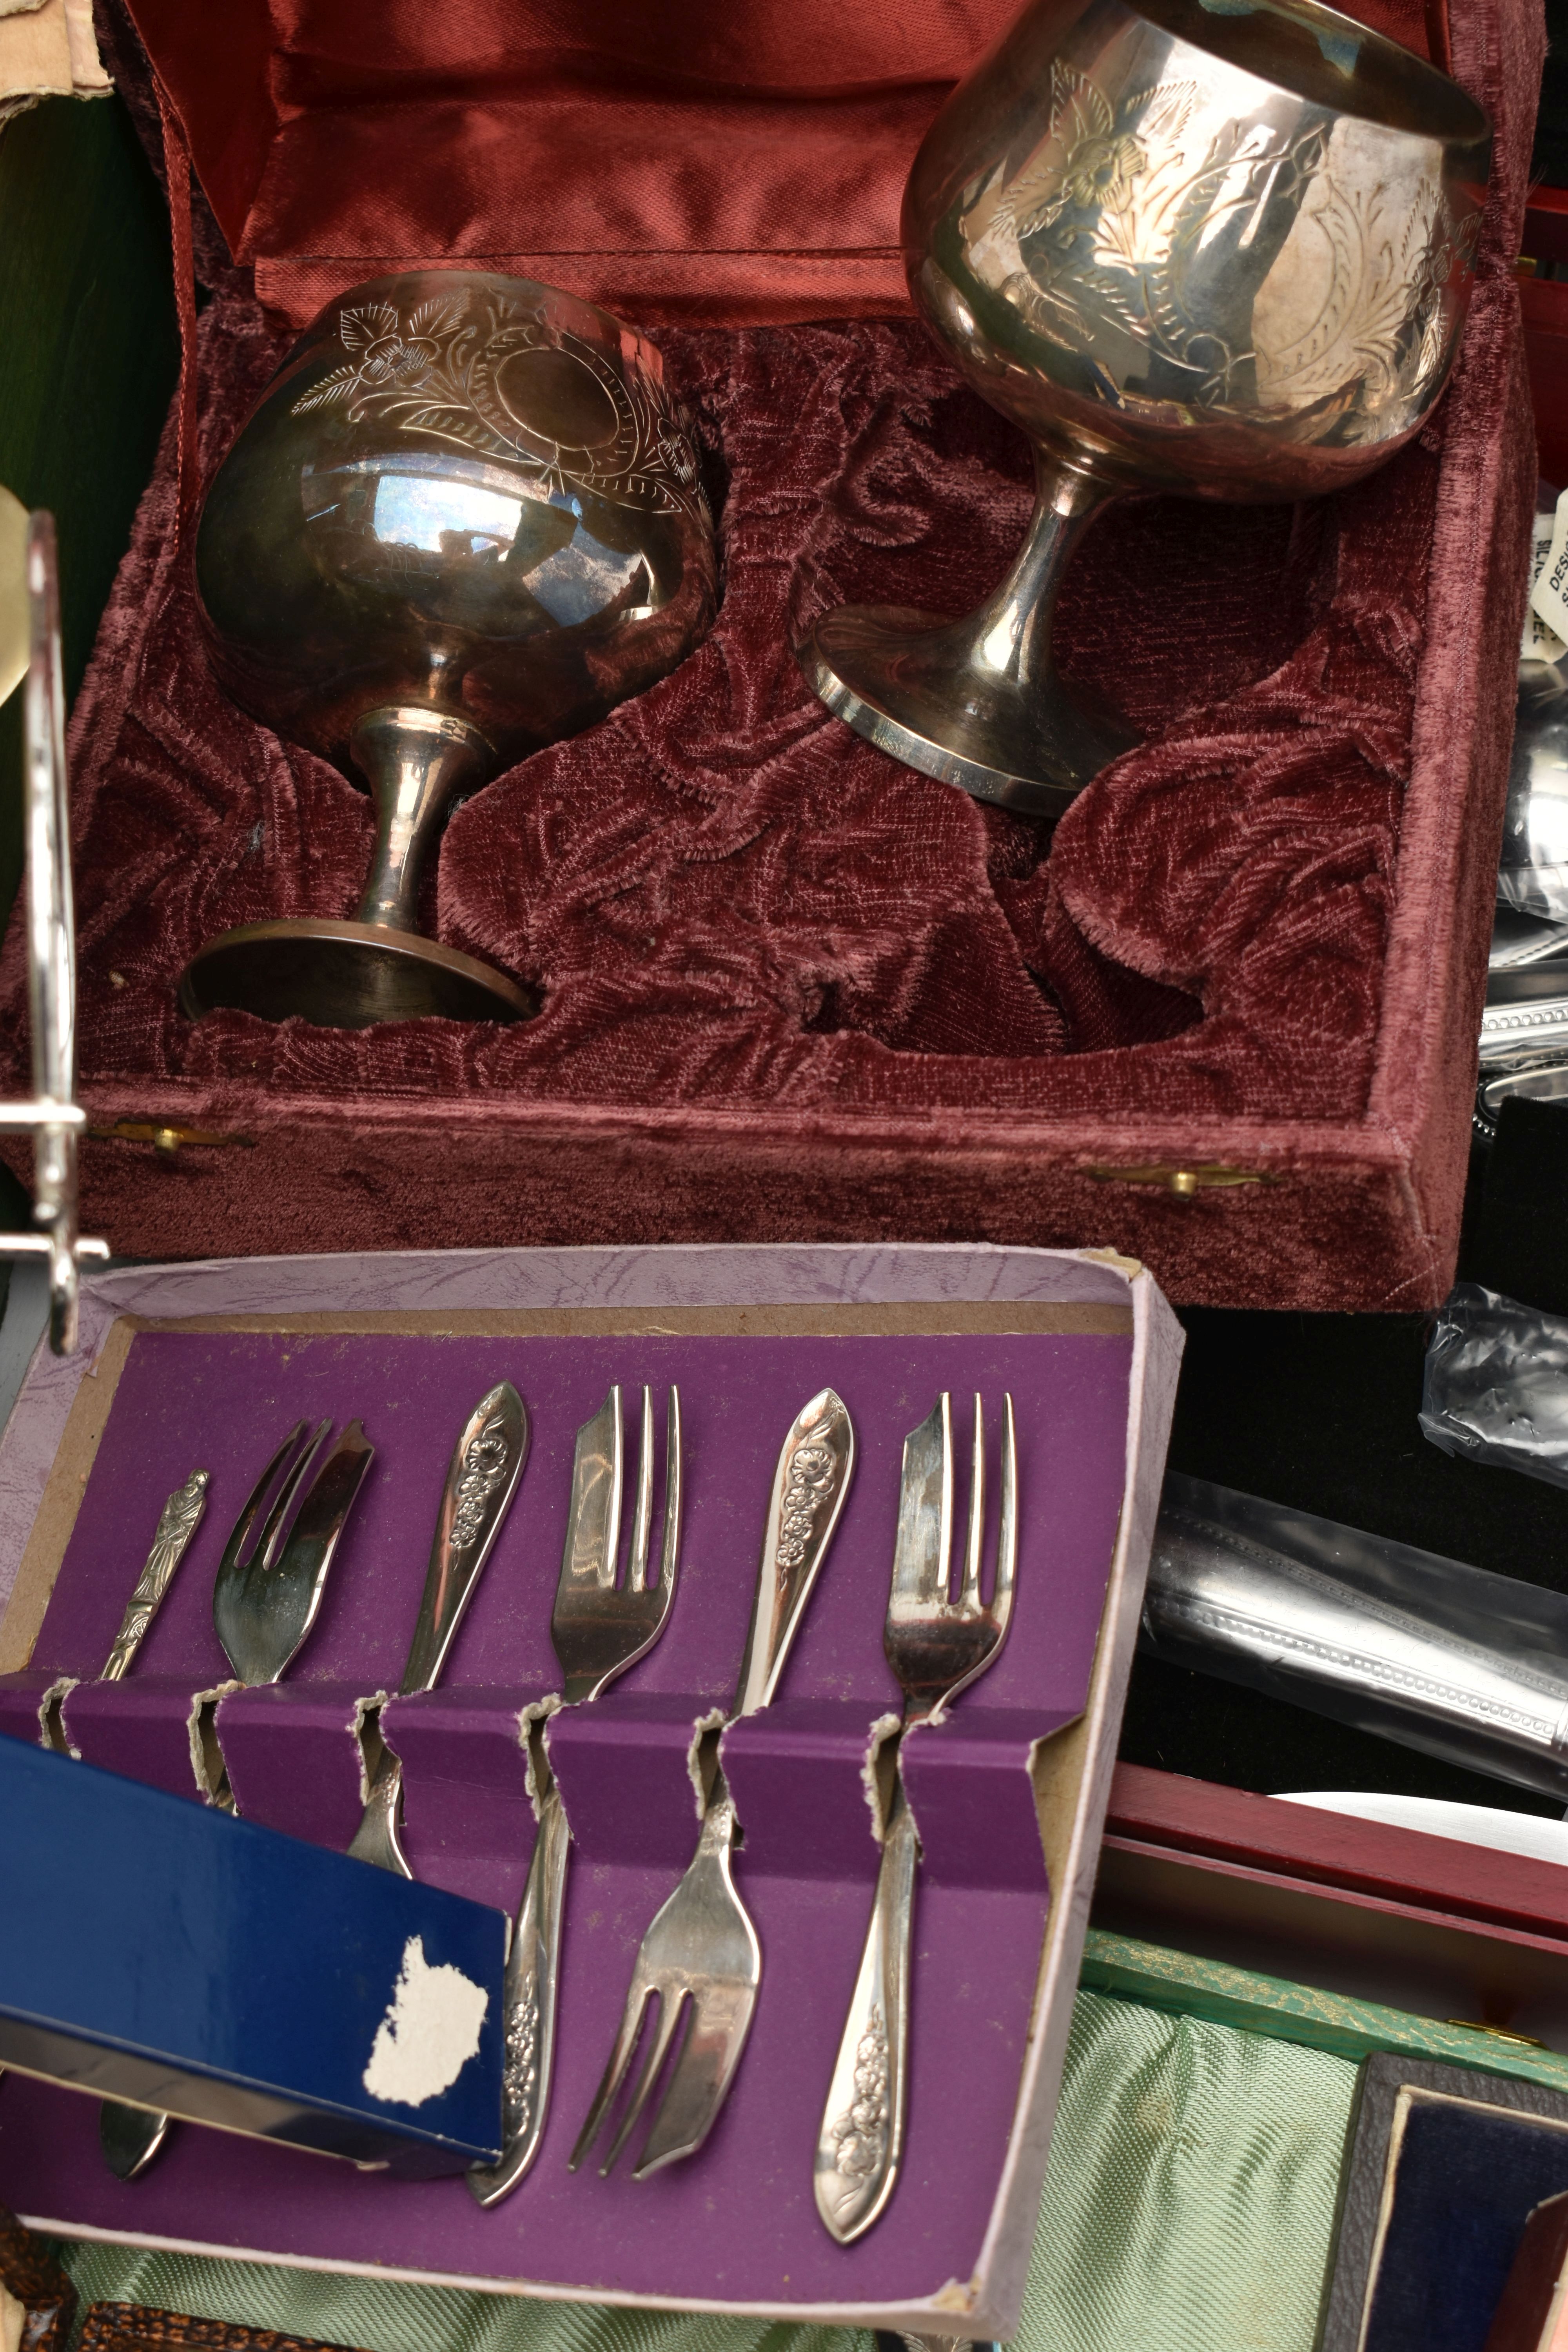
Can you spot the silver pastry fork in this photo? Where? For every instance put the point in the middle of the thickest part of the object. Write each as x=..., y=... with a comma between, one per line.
x=599, y=1626
x=267, y=1592
x=936, y=1647
x=265, y=1598
x=700, y=1960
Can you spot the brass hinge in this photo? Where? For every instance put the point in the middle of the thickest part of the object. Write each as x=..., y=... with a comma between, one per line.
x=1182, y=1182
x=1497, y=2033
x=165, y=1135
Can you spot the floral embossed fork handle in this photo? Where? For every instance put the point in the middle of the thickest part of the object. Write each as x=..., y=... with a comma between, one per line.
x=177, y=1523
x=481, y=1479
x=599, y=1627
x=936, y=1647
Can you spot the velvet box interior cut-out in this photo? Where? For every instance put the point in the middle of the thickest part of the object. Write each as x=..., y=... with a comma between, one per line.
x=793, y=989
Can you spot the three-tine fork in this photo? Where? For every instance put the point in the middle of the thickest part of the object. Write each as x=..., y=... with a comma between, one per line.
x=599, y=1626
x=936, y=1648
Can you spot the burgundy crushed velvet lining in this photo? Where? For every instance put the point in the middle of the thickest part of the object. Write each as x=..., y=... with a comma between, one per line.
x=729, y=898
x=753, y=925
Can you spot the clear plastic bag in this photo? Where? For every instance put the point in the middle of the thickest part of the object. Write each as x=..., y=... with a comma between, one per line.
x=1452, y=1660
x=1496, y=1384
x=1532, y=877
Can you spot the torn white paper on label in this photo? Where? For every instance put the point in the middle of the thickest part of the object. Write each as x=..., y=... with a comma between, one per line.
x=430, y=2031
x=1548, y=593
x=1539, y=643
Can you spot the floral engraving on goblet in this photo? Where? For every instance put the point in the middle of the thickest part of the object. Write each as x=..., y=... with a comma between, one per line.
x=1223, y=250
x=1102, y=230
x=463, y=522
x=444, y=372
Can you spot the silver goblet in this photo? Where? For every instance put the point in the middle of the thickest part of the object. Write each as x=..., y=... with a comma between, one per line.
x=1215, y=246
x=463, y=522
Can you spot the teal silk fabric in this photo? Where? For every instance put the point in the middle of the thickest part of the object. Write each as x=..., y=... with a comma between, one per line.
x=1189, y=2207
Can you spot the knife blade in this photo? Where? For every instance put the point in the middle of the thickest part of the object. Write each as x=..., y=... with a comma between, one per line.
x=481, y=1479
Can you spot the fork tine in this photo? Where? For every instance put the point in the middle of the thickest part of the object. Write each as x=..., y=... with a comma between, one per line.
x=269, y=1543
x=594, y=1517
x=969, y=1598
x=672, y=2008
x=233, y=1550
x=614, y=2074
x=319, y=1522
x=669, y=1546
x=701, y=2078
x=924, y=1544
x=1008, y=1533
x=642, y=1521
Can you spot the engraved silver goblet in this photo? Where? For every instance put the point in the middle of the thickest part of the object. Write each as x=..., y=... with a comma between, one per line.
x=1222, y=247
x=463, y=522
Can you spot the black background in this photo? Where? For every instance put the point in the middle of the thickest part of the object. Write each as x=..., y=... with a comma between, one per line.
x=1319, y=1411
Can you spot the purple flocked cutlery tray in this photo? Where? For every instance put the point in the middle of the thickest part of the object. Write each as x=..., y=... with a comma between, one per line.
x=210, y=1365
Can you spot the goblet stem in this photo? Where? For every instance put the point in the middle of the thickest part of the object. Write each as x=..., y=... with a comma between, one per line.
x=349, y=972
x=978, y=701
x=1010, y=635
x=417, y=762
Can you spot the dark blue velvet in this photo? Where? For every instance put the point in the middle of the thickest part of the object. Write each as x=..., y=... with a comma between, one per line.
x=1467, y=2178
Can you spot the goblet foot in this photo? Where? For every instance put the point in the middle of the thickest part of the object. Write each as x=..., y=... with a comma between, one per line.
x=915, y=686
x=346, y=975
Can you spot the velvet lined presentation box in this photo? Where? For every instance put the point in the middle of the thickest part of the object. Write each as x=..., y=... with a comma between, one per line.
x=1226, y=1019
x=207, y=1365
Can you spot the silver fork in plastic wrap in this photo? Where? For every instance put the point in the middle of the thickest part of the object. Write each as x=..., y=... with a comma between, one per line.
x=265, y=1598
x=599, y=1627
x=1456, y=1662
x=700, y=1959
x=936, y=1647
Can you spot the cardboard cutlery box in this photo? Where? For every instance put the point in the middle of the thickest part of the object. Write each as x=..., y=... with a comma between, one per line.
x=207, y=1365
x=1226, y=1020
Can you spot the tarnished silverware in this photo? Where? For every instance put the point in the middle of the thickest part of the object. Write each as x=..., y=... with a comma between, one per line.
x=177, y=1523
x=481, y=1479
x=701, y=1947
x=464, y=520
x=599, y=1627
x=1454, y=1661
x=267, y=1593
x=1223, y=250
x=266, y=1597
x=936, y=1647
x=1523, y=1050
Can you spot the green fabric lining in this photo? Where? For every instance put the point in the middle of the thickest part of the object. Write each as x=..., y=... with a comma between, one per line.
x=1193, y=1986
x=1189, y=2207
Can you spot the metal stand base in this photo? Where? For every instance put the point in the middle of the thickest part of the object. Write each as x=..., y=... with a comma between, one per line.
x=914, y=685
x=346, y=975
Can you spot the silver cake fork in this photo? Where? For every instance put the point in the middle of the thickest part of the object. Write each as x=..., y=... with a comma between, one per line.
x=599, y=1627
x=268, y=1593
x=936, y=1647
x=700, y=1957
x=265, y=1598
